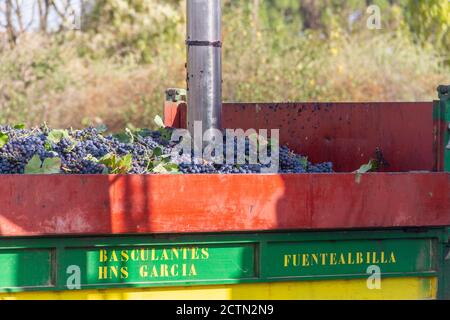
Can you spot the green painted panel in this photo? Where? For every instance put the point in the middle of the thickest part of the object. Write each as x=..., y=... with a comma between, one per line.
x=300, y=259
x=442, y=113
x=162, y=264
x=182, y=260
x=446, y=275
x=446, y=119
x=25, y=268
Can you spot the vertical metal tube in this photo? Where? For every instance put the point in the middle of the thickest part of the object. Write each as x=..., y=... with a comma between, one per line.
x=204, y=66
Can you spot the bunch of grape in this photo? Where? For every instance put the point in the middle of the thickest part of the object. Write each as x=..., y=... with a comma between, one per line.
x=326, y=167
x=81, y=152
x=291, y=162
x=22, y=145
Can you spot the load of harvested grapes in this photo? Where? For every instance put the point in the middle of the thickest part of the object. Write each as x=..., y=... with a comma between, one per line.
x=41, y=150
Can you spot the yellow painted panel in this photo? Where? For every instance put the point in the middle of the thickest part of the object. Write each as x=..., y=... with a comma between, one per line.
x=391, y=288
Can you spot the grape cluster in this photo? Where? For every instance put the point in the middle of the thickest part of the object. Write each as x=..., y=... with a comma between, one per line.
x=22, y=145
x=80, y=151
x=326, y=167
x=291, y=162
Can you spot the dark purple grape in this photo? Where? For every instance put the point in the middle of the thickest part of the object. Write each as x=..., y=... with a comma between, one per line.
x=81, y=149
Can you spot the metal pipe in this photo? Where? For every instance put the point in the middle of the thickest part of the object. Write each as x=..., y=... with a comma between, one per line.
x=204, y=66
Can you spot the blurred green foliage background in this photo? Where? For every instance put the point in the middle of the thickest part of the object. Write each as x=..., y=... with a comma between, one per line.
x=113, y=64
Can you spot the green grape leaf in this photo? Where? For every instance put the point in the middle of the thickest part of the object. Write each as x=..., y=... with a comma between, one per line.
x=125, y=164
x=90, y=157
x=369, y=167
x=116, y=164
x=72, y=146
x=159, y=168
x=159, y=122
x=172, y=168
x=101, y=128
x=55, y=136
x=19, y=126
x=48, y=166
x=122, y=137
x=162, y=167
x=166, y=158
x=304, y=161
x=166, y=134
x=34, y=165
x=108, y=160
x=48, y=146
x=51, y=166
x=130, y=135
x=143, y=133
x=4, y=138
x=257, y=139
x=157, y=152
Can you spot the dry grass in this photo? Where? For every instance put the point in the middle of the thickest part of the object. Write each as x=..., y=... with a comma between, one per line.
x=42, y=81
x=382, y=68
x=113, y=95
x=79, y=92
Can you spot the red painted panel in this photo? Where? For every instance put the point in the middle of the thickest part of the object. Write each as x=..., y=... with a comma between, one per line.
x=61, y=205
x=175, y=114
x=441, y=129
x=344, y=133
